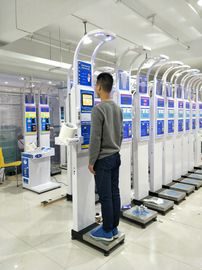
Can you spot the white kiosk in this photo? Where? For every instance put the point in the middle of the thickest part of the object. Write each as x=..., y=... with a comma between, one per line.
x=83, y=186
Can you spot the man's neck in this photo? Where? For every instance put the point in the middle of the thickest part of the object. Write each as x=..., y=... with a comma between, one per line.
x=105, y=97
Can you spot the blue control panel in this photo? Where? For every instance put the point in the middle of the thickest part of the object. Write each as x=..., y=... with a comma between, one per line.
x=144, y=116
x=87, y=103
x=25, y=169
x=30, y=119
x=194, y=116
x=85, y=133
x=200, y=116
x=180, y=115
x=187, y=115
x=126, y=106
x=160, y=116
x=171, y=114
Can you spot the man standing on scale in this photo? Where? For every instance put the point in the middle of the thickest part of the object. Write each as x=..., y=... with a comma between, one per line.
x=104, y=157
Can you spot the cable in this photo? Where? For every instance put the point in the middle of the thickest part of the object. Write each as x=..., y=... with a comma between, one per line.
x=59, y=182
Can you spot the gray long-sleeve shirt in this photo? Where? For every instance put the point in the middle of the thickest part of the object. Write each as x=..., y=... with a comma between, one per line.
x=106, y=130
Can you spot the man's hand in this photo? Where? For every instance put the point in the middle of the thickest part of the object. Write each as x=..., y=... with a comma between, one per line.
x=90, y=167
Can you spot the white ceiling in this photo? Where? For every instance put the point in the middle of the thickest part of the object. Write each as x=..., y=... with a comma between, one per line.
x=169, y=27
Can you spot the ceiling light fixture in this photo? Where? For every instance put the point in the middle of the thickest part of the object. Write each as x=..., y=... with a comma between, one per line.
x=199, y=3
x=87, y=41
x=6, y=82
x=49, y=82
x=193, y=8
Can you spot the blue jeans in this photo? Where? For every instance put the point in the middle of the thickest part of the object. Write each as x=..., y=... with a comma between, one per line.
x=107, y=183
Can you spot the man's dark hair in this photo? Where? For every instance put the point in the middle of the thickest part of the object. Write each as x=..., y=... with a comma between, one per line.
x=105, y=80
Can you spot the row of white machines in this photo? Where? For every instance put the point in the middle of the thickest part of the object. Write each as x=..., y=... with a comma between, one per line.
x=151, y=119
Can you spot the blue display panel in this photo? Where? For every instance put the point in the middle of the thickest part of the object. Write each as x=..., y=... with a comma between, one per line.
x=200, y=123
x=160, y=102
x=159, y=113
x=30, y=119
x=143, y=84
x=170, y=103
x=144, y=128
x=144, y=101
x=43, y=99
x=170, y=126
x=171, y=113
x=200, y=106
x=126, y=99
x=193, y=123
x=127, y=113
x=194, y=106
x=127, y=129
x=84, y=73
x=124, y=82
x=87, y=101
x=159, y=88
x=180, y=125
x=29, y=99
x=25, y=169
x=160, y=127
x=45, y=118
x=85, y=133
x=188, y=114
x=187, y=105
x=180, y=104
x=180, y=114
x=187, y=124
x=144, y=113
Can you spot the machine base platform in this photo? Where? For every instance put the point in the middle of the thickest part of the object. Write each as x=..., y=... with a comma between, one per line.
x=44, y=187
x=141, y=219
x=198, y=167
x=193, y=175
x=103, y=246
x=196, y=171
x=188, y=189
x=189, y=181
x=170, y=194
x=152, y=203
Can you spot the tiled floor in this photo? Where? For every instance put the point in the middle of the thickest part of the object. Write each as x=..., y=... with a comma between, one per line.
x=33, y=237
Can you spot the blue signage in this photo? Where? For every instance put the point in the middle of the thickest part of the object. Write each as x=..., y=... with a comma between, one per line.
x=160, y=102
x=187, y=124
x=170, y=103
x=180, y=125
x=126, y=99
x=127, y=129
x=124, y=82
x=85, y=133
x=144, y=128
x=200, y=123
x=84, y=73
x=25, y=169
x=193, y=123
x=144, y=101
x=170, y=126
x=160, y=127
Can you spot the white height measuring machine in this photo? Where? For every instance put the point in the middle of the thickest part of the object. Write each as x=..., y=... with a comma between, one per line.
x=167, y=173
x=158, y=122
x=123, y=97
x=82, y=102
